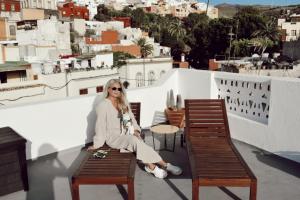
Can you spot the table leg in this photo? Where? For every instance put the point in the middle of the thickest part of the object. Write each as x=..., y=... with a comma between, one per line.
x=153, y=141
x=165, y=141
x=174, y=140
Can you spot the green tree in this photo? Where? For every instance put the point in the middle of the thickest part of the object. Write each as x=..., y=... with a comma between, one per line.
x=177, y=30
x=199, y=55
x=219, y=39
x=120, y=59
x=193, y=19
x=146, y=48
x=268, y=30
x=249, y=20
x=102, y=13
x=261, y=44
x=138, y=17
x=241, y=47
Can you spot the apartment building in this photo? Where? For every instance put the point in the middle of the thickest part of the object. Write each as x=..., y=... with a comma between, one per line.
x=41, y=4
x=9, y=15
x=72, y=11
x=290, y=29
x=40, y=43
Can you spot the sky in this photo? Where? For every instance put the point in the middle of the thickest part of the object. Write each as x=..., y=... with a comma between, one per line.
x=251, y=2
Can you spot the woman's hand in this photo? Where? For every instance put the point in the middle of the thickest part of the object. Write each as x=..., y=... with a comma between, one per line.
x=137, y=134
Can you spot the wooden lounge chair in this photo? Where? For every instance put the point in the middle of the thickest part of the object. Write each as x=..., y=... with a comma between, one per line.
x=116, y=168
x=214, y=160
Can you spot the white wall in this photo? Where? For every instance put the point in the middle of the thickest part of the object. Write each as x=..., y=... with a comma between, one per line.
x=41, y=123
x=79, y=26
x=157, y=65
x=73, y=125
x=34, y=91
x=193, y=84
x=289, y=26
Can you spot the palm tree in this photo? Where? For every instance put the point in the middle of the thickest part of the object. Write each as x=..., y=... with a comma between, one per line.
x=177, y=30
x=268, y=30
x=146, y=48
x=207, y=7
x=261, y=44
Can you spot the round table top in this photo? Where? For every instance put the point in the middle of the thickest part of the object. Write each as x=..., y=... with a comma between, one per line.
x=164, y=129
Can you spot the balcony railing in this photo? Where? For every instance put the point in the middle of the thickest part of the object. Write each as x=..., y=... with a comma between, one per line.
x=70, y=122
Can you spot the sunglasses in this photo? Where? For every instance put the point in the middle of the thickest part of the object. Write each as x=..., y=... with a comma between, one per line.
x=115, y=88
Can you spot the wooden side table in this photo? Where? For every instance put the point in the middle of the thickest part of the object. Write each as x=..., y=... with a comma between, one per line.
x=13, y=166
x=165, y=129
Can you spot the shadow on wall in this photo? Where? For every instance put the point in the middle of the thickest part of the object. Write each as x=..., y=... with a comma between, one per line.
x=283, y=164
x=91, y=120
x=43, y=175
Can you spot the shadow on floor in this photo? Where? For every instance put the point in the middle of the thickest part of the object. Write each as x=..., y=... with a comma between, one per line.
x=275, y=161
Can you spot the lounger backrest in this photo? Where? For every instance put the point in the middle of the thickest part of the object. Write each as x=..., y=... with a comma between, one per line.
x=136, y=110
x=206, y=118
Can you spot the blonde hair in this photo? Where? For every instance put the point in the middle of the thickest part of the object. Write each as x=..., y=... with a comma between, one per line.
x=122, y=103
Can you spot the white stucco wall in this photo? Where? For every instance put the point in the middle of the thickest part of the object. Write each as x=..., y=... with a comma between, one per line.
x=289, y=26
x=40, y=123
x=38, y=93
x=79, y=26
x=157, y=65
x=57, y=34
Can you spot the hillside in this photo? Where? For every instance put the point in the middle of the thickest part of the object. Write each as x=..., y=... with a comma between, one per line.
x=229, y=10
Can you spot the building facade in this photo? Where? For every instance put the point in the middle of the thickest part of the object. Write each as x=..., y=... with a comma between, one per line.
x=144, y=72
x=10, y=6
x=71, y=10
x=41, y=4
x=290, y=29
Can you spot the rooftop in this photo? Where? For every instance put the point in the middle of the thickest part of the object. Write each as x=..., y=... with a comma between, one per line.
x=50, y=178
x=13, y=66
x=266, y=135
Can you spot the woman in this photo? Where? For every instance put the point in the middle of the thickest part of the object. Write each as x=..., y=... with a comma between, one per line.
x=117, y=127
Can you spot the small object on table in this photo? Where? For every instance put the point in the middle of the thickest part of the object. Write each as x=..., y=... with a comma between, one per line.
x=165, y=129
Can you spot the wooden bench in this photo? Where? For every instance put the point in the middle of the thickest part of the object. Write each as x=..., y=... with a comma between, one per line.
x=116, y=168
x=213, y=158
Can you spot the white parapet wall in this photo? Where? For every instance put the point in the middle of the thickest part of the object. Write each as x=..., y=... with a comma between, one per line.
x=67, y=123
x=70, y=122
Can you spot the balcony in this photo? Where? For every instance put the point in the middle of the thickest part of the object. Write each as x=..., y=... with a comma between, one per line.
x=268, y=141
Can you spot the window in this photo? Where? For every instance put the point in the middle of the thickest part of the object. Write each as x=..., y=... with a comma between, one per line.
x=2, y=6
x=12, y=30
x=83, y=91
x=49, y=5
x=293, y=32
x=99, y=89
x=139, y=79
x=12, y=7
x=151, y=78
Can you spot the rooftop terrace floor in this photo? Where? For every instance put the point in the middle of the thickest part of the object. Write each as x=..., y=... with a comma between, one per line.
x=278, y=179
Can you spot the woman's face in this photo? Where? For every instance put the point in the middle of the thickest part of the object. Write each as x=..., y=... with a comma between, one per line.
x=114, y=90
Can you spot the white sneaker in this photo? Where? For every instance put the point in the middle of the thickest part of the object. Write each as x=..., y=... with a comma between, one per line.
x=173, y=169
x=157, y=172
